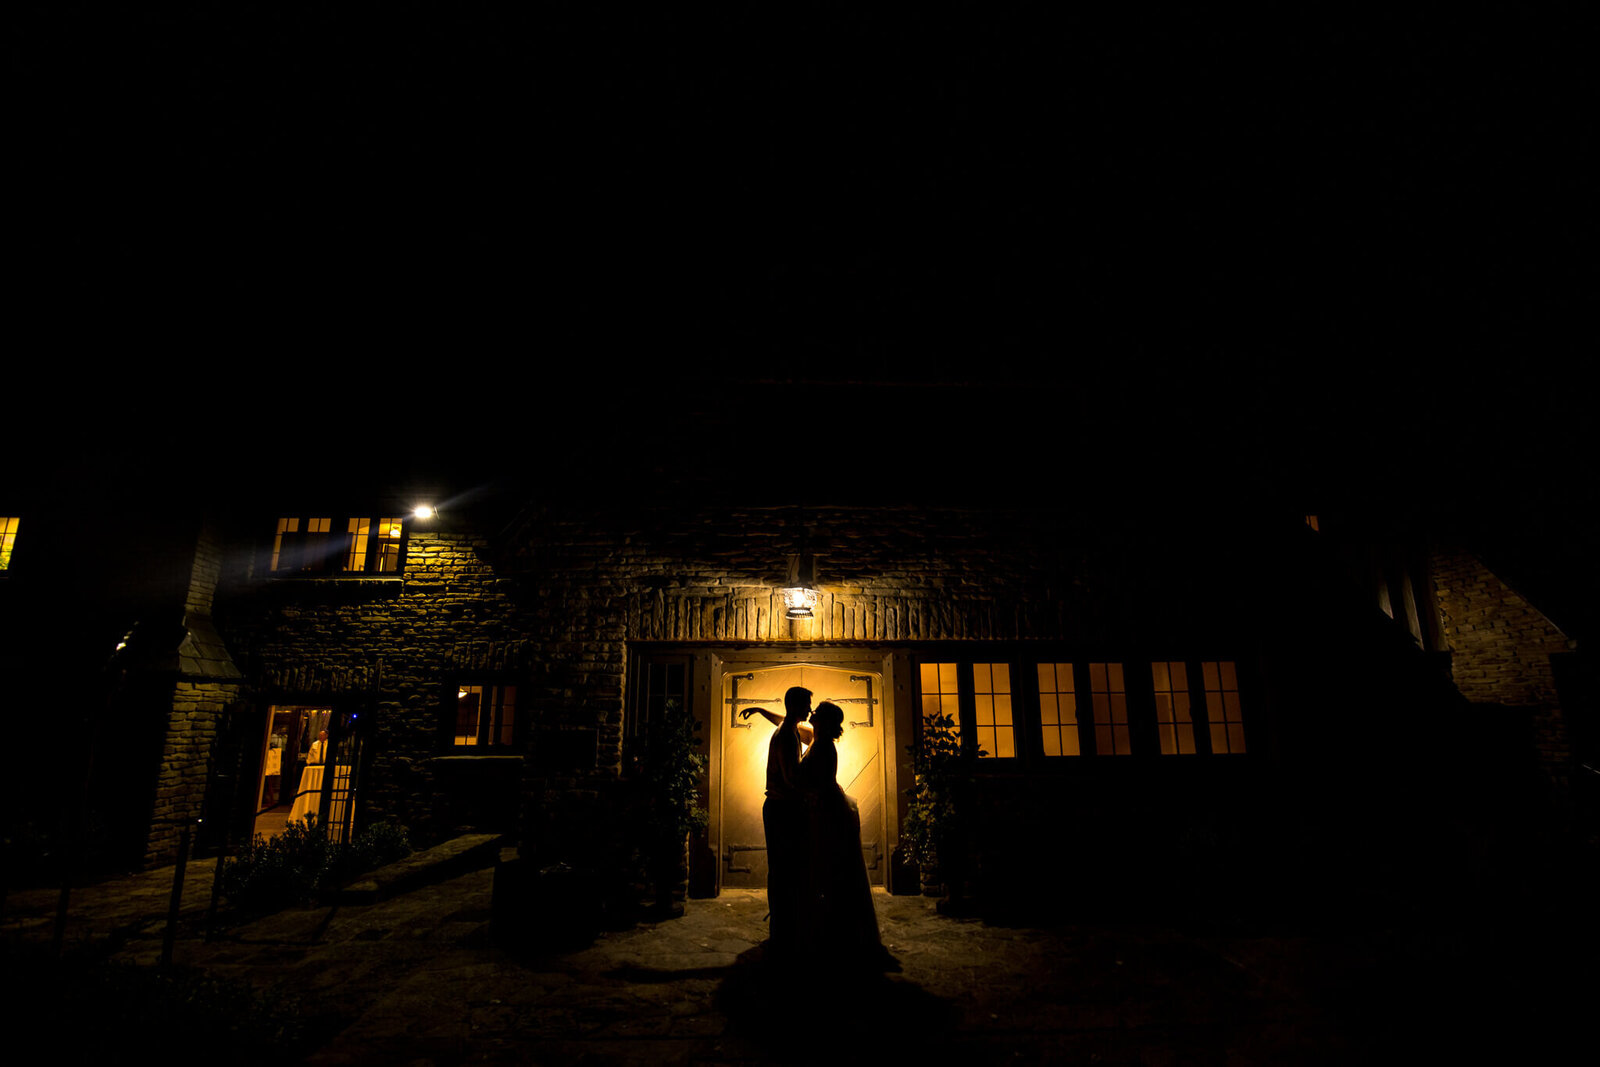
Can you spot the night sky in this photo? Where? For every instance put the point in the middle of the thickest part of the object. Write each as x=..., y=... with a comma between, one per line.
x=1343, y=259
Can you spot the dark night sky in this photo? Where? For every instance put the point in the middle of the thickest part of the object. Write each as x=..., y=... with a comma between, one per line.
x=1343, y=258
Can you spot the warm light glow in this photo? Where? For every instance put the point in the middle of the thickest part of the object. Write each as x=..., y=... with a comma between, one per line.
x=424, y=511
x=800, y=601
x=991, y=695
x=8, y=537
x=485, y=714
x=1058, y=709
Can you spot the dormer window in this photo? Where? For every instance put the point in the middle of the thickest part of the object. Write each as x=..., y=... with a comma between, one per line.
x=334, y=545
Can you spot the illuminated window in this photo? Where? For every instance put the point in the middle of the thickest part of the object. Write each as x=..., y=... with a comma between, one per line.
x=991, y=710
x=1222, y=706
x=373, y=545
x=940, y=693
x=1058, y=710
x=8, y=539
x=361, y=545
x=486, y=715
x=1174, y=723
x=1109, y=699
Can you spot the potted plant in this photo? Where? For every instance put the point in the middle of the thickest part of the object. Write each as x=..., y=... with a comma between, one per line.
x=930, y=831
x=669, y=773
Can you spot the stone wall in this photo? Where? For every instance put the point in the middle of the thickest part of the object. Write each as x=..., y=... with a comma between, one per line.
x=559, y=599
x=1500, y=647
x=181, y=782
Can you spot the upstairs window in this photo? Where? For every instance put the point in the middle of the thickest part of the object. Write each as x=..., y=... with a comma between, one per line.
x=326, y=545
x=486, y=716
x=8, y=539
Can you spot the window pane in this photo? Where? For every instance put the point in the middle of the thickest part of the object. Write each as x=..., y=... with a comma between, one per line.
x=1047, y=677
x=1058, y=722
x=8, y=538
x=469, y=700
x=1172, y=707
x=360, y=531
x=388, y=553
x=947, y=677
x=1223, y=708
x=980, y=678
x=1002, y=677
x=1002, y=710
x=508, y=713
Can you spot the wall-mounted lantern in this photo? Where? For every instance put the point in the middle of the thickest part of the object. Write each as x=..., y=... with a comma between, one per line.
x=800, y=592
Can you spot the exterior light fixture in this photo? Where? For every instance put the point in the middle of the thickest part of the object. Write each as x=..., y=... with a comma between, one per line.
x=800, y=593
x=424, y=511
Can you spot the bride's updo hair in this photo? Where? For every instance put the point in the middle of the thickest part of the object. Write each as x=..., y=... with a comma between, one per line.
x=828, y=720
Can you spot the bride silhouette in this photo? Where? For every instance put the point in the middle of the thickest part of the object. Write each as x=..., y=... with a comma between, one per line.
x=843, y=927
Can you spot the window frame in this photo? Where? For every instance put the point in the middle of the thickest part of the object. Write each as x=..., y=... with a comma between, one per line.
x=1139, y=698
x=10, y=532
x=336, y=548
x=966, y=694
x=449, y=713
x=636, y=714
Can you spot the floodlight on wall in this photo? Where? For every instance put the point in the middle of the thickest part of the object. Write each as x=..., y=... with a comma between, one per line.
x=800, y=593
x=424, y=511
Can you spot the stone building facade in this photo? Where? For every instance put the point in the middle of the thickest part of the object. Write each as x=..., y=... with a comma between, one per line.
x=494, y=668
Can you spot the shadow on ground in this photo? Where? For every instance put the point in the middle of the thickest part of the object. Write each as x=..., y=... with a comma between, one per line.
x=806, y=1015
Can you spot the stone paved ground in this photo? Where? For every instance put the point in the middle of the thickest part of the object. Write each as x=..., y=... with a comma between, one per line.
x=417, y=979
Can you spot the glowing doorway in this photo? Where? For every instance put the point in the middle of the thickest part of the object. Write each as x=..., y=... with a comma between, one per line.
x=742, y=782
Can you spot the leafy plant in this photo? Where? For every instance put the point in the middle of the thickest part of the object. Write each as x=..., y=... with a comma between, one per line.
x=929, y=833
x=668, y=771
x=300, y=863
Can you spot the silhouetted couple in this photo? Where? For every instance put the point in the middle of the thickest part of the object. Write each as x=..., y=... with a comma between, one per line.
x=817, y=886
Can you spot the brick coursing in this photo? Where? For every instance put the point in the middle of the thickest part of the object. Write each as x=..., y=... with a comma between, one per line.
x=1500, y=648
x=180, y=788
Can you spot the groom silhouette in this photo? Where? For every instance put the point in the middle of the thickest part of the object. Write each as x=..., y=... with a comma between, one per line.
x=784, y=818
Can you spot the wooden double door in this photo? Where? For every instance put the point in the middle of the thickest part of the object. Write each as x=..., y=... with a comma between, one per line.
x=743, y=764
